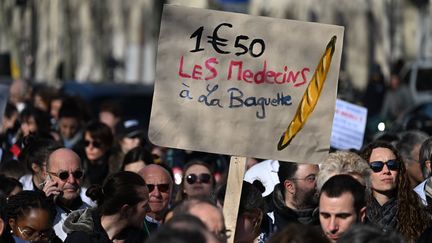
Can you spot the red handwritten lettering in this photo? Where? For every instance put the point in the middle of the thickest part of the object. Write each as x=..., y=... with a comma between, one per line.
x=210, y=66
x=197, y=70
x=230, y=69
x=296, y=77
x=181, y=74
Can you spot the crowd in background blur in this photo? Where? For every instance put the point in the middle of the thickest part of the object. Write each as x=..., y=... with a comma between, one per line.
x=71, y=173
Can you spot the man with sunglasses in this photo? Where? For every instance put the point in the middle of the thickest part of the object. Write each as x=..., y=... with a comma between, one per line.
x=294, y=198
x=160, y=185
x=63, y=184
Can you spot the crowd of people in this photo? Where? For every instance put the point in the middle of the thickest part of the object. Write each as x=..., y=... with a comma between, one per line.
x=67, y=175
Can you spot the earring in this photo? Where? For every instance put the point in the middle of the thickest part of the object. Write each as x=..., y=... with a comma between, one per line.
x=11, y=231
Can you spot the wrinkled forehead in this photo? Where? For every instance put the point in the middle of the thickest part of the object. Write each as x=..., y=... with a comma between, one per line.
x=64, y=161
x=157, y=177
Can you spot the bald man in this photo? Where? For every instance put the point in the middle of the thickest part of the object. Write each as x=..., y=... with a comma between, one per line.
x=160, y=185
x=63, y=183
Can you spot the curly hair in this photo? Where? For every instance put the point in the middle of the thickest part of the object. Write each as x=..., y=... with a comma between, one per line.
x=343, y=162
x=411, y=217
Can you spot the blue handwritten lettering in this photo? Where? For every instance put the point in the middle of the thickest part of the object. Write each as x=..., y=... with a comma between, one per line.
x=204, y=98
x=237, y=101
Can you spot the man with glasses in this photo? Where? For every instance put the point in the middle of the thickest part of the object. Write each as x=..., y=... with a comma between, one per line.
x=424, y=189
x=160, y=185
x=409, y=149
x=294, y=197
x=63, y=184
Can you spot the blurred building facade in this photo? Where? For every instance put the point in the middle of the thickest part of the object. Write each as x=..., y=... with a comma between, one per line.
x=111, y=40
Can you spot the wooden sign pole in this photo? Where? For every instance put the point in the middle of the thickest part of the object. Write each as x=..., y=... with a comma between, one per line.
x=233, y=192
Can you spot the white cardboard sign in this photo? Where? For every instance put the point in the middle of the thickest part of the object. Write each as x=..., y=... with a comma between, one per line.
x=348, y=126
x=243, y=85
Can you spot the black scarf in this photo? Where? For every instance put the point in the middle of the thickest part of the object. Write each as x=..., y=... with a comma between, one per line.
x=383, y=216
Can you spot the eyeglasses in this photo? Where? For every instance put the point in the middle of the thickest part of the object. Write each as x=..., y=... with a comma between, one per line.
x=378, y=166
x=160, y=187
x=95, y=144
x=31, y=234
x=193, y=178
x=64, y=175
x=309, y=178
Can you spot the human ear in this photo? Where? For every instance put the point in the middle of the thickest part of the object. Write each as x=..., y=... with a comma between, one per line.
x=428, y=166
x=362, y=214
x=124, y=211
x=12, y=223
x=289, y=186
x=2, y=226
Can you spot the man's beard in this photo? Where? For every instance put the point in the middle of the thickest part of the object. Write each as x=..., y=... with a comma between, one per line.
x=304, y=199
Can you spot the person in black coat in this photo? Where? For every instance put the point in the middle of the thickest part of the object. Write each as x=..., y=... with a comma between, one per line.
x=122, y=206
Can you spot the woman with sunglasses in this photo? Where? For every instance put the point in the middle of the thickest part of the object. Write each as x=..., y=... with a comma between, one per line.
x=197, y=180
x=392, y=204
x=30, y=216
x=122, y=206
x=98, y=139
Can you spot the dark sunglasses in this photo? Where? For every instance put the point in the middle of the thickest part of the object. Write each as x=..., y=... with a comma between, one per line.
x=203, y=178
x=95, y=144
x=160, y=187
x=377, y=166
x=64, y=175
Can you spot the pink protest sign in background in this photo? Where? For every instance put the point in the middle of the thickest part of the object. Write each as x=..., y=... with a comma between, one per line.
x=231, y=83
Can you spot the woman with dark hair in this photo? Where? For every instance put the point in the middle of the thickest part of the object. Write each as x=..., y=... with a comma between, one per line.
x=36, y=121
x=136, y=159
x=98, y=140
x=392, y=204
x=9, y=186
x=34, y=156
x=197, y=180
x=33, y=121
x=30, y=216
x=122, y=206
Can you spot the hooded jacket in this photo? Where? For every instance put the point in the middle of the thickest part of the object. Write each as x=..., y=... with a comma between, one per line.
x=84, y=226
x=284, y=215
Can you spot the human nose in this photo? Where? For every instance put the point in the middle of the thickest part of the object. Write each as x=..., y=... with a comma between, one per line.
x=155, y=192
x=333, y=225
x=386, y=169
x=71, y=179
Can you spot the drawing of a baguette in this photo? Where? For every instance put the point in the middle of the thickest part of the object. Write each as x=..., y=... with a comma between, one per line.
x=310, y=97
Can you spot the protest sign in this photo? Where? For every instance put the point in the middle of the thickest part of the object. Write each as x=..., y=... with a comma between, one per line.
x=231, y=83
x=348, y=126
x=241, y=85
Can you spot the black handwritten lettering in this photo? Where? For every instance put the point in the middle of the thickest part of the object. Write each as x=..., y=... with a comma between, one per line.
x=255, y=47
x=237, y=101
x=205, y=98
x=216, y=41
x=185, y=93
x=198, y=35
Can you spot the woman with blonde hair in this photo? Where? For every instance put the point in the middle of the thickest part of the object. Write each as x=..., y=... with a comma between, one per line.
x=343, y=162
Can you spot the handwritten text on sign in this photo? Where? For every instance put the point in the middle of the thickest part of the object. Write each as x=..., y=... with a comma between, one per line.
x=224, y=87
x=236, y=71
